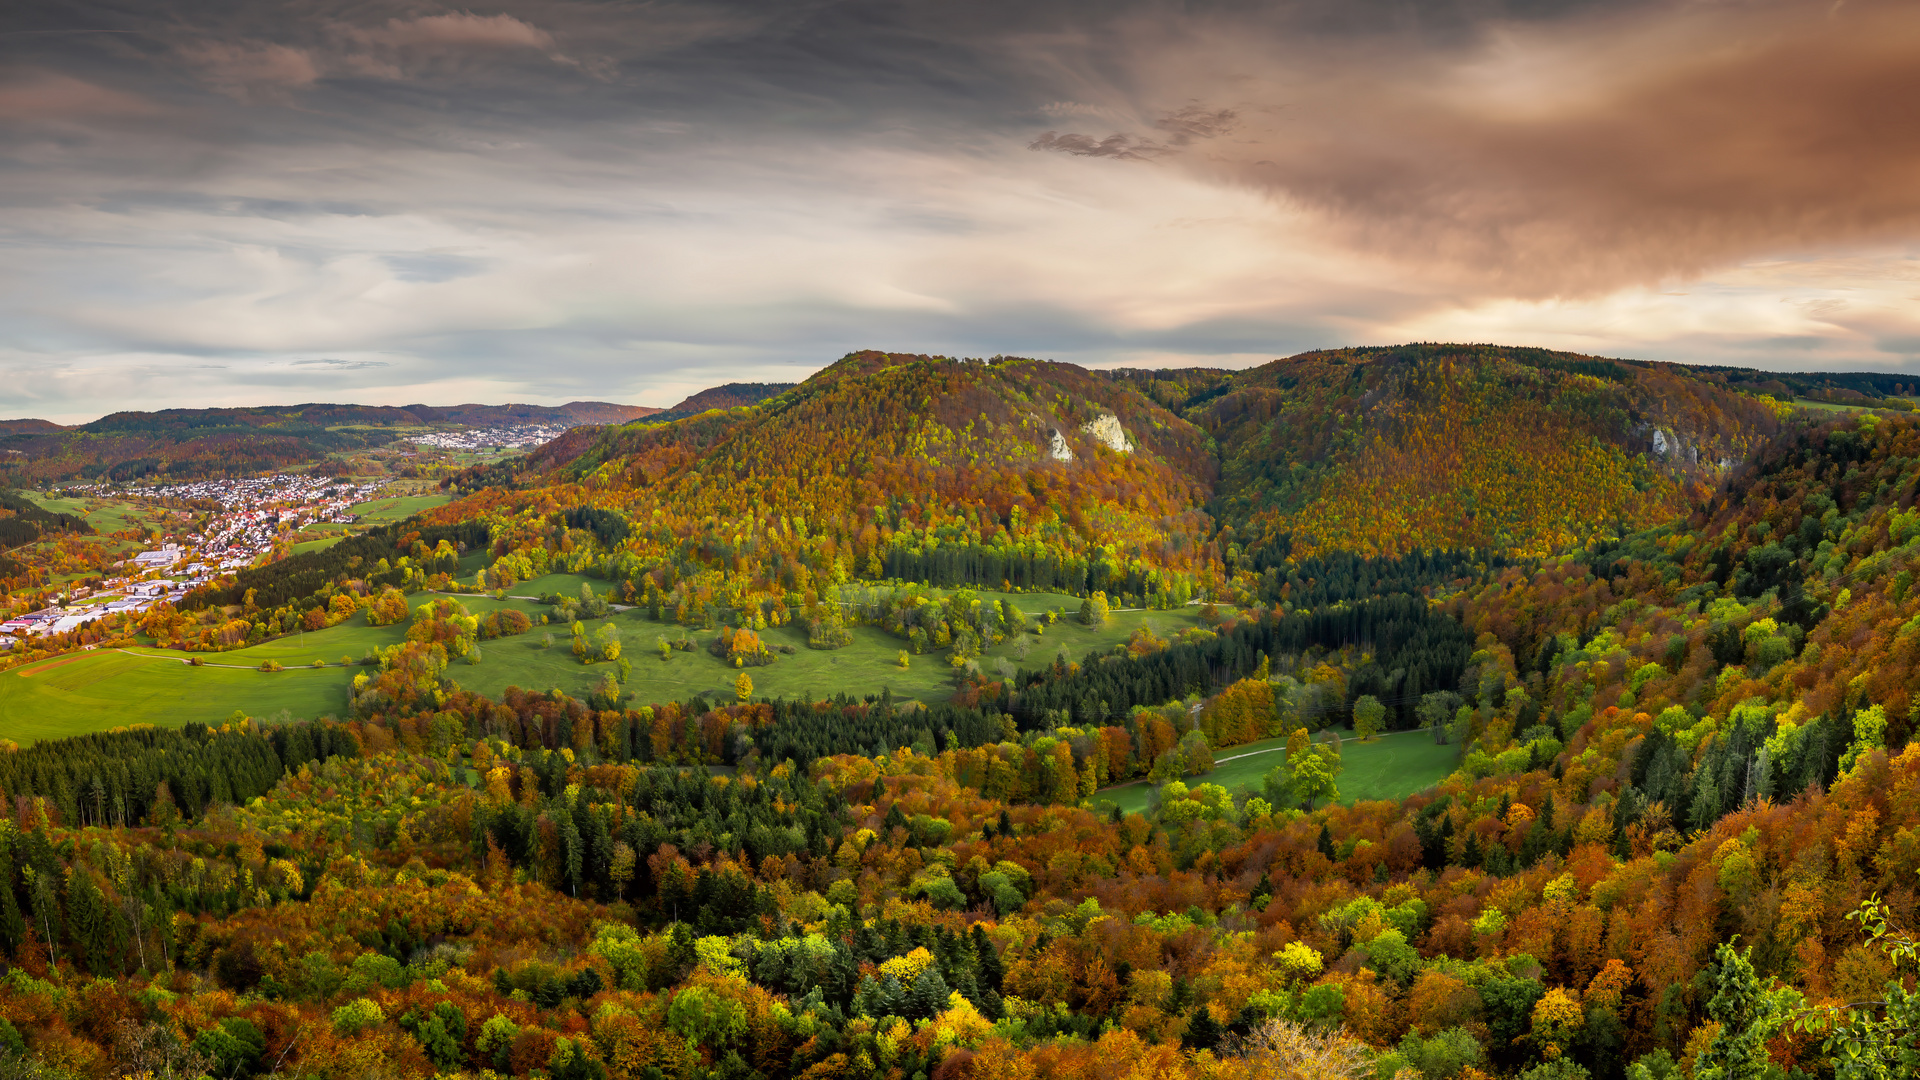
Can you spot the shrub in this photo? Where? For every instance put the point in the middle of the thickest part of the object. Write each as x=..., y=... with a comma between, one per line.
x=357, y=1016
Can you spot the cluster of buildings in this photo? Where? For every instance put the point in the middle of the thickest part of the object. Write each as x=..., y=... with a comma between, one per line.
x=86, y=605
x=253, y=514
x=516, y=437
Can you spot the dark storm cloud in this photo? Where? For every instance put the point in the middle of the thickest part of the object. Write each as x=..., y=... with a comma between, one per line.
x=552, y=199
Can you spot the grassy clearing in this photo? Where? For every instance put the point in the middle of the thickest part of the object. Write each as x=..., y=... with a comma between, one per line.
x=1390, y=767
x=389, y=509
x=95, y=691
x=155, y=687
x=321, y=543
x=385, y=510
x=867, y=666
x=1836, y=407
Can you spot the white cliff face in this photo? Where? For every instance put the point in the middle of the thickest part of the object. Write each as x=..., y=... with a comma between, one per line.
x=1107, y=429
x=1058, y=447
x=1659, y=442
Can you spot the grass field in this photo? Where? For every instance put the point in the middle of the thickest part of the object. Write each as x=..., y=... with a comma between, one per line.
x=385, y=510
x=389, y=509
x=867, y=666
x=106, y=516
x=154, y=687
x=321, y=544
x=1391, y=767
x=1829, y=406
x=95, y=691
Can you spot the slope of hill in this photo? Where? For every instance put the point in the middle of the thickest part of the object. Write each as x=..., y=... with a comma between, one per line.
x=1385, y=451
x=728, y=396
x=1001, y=472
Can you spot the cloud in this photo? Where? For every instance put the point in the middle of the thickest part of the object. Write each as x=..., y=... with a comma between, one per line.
x=461, y=29
x=246, y=70
x=250, y=69
x=1129, y=147
x=1566, y=159
x=545, y=200
x=391, y=49
x=47, y=95
x=1184, y=127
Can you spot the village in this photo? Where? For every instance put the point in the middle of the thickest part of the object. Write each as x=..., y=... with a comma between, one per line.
x=478, y=440
x=252, y=516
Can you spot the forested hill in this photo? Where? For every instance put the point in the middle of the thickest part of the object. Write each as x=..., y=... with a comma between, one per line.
x=192, y=443
x=1383, y=451
x=1007, y=471
x=728, y=396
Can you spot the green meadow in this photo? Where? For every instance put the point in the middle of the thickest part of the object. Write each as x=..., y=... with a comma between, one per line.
x=95, y=691
x=1392, y=766
x=389, y=509
x=105, y=515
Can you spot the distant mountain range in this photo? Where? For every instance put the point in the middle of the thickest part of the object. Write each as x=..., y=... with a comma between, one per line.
x=192, y=443
x=325, y=415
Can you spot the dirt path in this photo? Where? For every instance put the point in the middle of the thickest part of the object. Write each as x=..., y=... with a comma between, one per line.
x=47, y=667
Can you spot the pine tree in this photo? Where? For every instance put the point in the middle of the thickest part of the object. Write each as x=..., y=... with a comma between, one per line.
x=1203, y=1031
x=987, y=960
x=93, y=923
x=928, y=994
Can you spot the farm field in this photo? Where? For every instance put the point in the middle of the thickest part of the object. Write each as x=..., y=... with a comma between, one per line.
x=1393, y=766
x=868, y=666
x=94, y=691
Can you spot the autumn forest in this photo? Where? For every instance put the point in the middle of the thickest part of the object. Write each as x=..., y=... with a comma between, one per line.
x=1652, y=630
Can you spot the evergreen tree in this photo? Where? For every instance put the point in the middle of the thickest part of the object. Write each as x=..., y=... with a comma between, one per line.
x=1203, y=1031
x=94, y=924
x=928, y=994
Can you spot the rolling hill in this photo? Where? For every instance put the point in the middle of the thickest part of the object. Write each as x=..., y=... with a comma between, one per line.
x=1008, y=472
x=728, y=396
x=1005, y=473
x=192, y=443
x=1380, y=452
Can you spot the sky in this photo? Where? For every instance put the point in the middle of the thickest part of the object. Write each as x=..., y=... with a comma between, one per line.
x=226, y=202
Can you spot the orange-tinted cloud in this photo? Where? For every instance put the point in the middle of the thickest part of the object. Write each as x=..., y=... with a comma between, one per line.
x=246, y=70
x=52, y=96
x=1576, y=158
